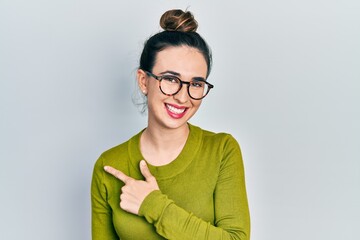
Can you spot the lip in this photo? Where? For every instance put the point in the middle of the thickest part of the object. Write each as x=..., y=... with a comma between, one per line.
x=174, y=114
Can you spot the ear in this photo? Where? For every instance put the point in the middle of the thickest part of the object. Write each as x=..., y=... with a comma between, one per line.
x=142, y=79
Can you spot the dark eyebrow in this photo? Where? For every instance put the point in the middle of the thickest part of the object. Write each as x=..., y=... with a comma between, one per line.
x=199, y=79
x=171, y=72
x=178, y=75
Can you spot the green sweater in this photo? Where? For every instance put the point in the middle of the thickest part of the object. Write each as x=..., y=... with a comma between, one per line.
x=202, y=192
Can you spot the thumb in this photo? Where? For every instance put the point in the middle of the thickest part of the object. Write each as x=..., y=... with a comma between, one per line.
x=145, y=170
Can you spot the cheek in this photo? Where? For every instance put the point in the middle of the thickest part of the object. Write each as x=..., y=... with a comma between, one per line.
x=196, y=103
x=153, y=88
x=155, y=96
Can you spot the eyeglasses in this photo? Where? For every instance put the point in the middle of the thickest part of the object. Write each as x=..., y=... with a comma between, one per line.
x=171, y=85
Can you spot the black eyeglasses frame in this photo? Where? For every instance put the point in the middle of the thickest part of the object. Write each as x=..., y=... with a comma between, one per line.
x=160, y=78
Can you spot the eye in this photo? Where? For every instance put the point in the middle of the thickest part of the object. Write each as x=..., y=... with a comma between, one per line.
x=170, y=79
x=197, y=84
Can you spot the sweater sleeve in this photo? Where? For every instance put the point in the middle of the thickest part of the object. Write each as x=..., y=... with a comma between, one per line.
x=101, y=213
x=232, y=219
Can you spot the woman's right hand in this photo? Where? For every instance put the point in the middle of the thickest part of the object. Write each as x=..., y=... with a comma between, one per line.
x=134, y=191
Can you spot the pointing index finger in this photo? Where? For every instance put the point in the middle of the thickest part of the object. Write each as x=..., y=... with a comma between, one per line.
x=116, y=173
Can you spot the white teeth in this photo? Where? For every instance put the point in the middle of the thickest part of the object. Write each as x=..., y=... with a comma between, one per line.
x=174, y=109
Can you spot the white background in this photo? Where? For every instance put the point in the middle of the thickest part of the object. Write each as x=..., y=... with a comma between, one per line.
x=286, y=76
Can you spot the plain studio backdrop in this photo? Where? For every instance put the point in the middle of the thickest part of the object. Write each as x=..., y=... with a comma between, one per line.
x=286, y=76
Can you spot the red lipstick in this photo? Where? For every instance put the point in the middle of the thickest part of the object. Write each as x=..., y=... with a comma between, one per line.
x=175, y=111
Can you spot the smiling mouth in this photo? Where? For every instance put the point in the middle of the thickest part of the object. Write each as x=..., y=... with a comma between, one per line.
x=175, y=110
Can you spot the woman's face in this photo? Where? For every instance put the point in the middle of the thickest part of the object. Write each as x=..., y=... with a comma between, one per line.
x=173, y=112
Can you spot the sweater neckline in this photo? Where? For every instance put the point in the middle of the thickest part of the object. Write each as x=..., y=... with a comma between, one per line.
x=178, y=165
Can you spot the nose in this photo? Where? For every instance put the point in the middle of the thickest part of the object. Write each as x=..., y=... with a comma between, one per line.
x=182, y=96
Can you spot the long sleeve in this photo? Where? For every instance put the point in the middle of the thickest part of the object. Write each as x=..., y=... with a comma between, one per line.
x=102, y=224
x=202, y=193
x=232, y=220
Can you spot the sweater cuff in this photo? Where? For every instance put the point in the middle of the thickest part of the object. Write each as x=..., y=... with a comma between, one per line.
x=153, y=206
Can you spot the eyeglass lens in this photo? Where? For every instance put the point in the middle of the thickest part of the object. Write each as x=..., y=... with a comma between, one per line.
x=171, y=85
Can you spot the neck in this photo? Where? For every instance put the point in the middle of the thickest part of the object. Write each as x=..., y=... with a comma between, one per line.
x=160, y=137
x=161, y=146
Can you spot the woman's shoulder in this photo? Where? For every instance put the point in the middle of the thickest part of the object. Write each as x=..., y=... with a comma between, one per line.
x=209, y=135
x=119, y=153
x=218, y=145
x=112, y=156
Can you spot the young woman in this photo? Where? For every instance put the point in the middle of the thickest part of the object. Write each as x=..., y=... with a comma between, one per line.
x=172, y=180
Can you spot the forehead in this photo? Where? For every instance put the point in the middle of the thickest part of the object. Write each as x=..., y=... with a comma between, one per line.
x=183, y=59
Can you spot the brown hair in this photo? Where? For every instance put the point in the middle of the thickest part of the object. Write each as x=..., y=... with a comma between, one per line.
x=179, y=30
x=177, y=20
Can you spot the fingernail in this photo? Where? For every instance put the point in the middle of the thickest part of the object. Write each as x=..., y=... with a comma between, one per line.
x=142, y=162
x=106, y=168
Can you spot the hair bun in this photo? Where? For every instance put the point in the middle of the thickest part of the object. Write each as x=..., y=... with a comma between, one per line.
x=178, y=20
